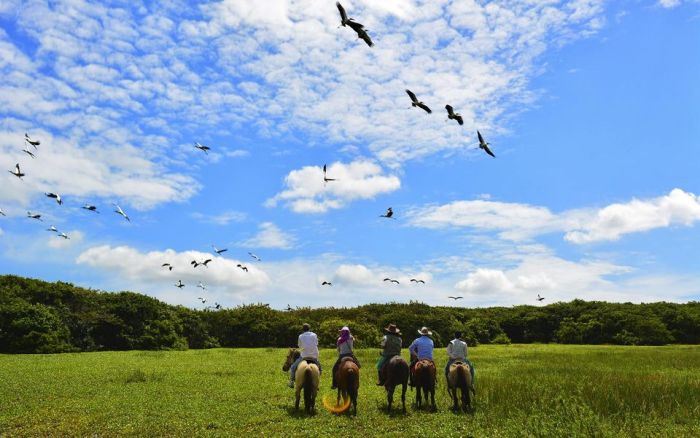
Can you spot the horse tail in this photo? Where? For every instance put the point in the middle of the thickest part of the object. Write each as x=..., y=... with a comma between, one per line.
x=462, y=379
x=308, y=388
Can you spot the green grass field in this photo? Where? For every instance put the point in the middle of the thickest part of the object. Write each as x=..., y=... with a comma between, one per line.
x=522, y=390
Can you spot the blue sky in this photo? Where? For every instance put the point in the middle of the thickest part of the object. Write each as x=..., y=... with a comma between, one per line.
x=591, y=108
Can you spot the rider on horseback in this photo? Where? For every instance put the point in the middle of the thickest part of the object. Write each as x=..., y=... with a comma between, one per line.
x=421, y=348
x=391, y=345
x=344, y=346
x=457, y=351
x=308, y=344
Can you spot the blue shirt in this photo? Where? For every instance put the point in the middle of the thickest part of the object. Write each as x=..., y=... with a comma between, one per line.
x=422, y=347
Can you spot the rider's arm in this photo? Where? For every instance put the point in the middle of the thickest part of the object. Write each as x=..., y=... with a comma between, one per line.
x=449, y=350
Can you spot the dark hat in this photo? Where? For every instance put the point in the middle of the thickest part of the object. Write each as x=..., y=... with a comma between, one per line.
x=391, y=328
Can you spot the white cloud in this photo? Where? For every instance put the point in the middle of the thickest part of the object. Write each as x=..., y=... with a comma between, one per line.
x=75, y=237
x=308, y=193
x=224, y=218
x=616, y=220
x=514, y=221
x=669, y=3
x=139, y=268
x=270, y=236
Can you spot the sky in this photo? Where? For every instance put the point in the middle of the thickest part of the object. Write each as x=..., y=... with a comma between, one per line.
x=592, y=109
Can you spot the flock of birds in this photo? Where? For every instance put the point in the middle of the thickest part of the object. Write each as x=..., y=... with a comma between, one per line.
x=345, y=21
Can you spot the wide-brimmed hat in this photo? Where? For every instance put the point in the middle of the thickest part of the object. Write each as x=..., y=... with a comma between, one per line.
x=425, y=332
x=391, y=328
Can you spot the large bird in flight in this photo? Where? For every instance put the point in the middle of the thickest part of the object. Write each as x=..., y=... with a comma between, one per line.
x=201, y=147
x=389, y=214
x=120, y=212
x=417, y=281
x=452, y=115
x=359, y=28
x=55, y=196
x=391, y=280
x=484, y=145
x=415, y=102
x=325, y=177
x=219, y=251
x=167, y=265
x=34, y=143
x=180, y=284
x=90, y=207
x=254, y=256
x=539, y=298
x=31, y=215
x=195, y=263
x=455, y=298
x=17, y=172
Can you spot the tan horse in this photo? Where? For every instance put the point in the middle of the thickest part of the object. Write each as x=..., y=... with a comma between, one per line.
x=348, y=378
x=307, y=378
x=459, y=377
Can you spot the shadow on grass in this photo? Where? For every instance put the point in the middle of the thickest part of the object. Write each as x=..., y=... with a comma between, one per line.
x=298, y=413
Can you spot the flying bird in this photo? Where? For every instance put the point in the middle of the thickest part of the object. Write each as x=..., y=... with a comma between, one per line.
x=167, y=265
x=417, y=281
x=201, y=286
x=64, y=235
x=55, y=196
x=539, y=298
x=483, y=145
x=203, y=300
x=325, y=178
x=34, y=216
x=90, y=208
x=2, y=213
x=17, y=172
x=28, y=152
x=202, y=147
x=34, y=143
x=245, y=268
x=254, y=256
x=359, y=28
x=217, y=306
x=52, y=228
x=180, y=284
x=344, y=20
x=389, y=214
x=453, y=115
x=121, y=212
x=455, y=298
x=415, y=102
x=219, y=251
x=326, y=283
x=289, y=308
x=195, y=263
x=391, y=280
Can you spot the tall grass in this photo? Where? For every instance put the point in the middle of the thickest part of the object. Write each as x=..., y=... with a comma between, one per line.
x=522, y=390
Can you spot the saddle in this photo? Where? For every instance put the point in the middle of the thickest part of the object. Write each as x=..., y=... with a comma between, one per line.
x=386, y=363
x=311, y=360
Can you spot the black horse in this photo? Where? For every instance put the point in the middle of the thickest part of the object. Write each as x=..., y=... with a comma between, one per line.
x=396, y=372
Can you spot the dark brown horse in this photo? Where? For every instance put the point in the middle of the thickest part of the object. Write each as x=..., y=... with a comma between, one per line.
x=459, y=377
x=396, y=372
x=424, y=381
x=348, y=378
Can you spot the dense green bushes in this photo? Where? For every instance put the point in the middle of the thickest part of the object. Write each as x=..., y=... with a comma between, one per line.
x=41, y=317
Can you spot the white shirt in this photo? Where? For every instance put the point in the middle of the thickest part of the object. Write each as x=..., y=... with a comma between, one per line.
x=308, y=344
x=457, y=349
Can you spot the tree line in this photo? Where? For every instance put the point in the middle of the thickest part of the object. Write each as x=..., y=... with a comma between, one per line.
x=42, y=317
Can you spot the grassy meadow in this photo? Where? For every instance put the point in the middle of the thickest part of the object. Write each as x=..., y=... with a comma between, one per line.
x=522, y=390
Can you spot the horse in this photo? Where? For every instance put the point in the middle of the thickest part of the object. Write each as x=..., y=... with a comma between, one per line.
x=348, y=378
x=396, y=372
x=306, y=378
x=424, y=380
x=459, y=377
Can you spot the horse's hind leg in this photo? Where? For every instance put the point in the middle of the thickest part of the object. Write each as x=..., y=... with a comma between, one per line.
x=296, y=403
x=432, y=398
x=390, y=397
x=403, y=397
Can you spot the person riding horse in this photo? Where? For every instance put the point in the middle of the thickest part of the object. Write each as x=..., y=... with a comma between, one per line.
x=457, y=351
x=421, y=348
x=344, y=345
x=391, y=346
x=308, y=345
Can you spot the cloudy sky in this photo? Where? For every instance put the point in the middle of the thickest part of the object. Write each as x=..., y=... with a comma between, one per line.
x=592, y=109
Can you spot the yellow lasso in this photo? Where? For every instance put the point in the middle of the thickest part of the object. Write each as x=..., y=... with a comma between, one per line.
x=330, y=406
